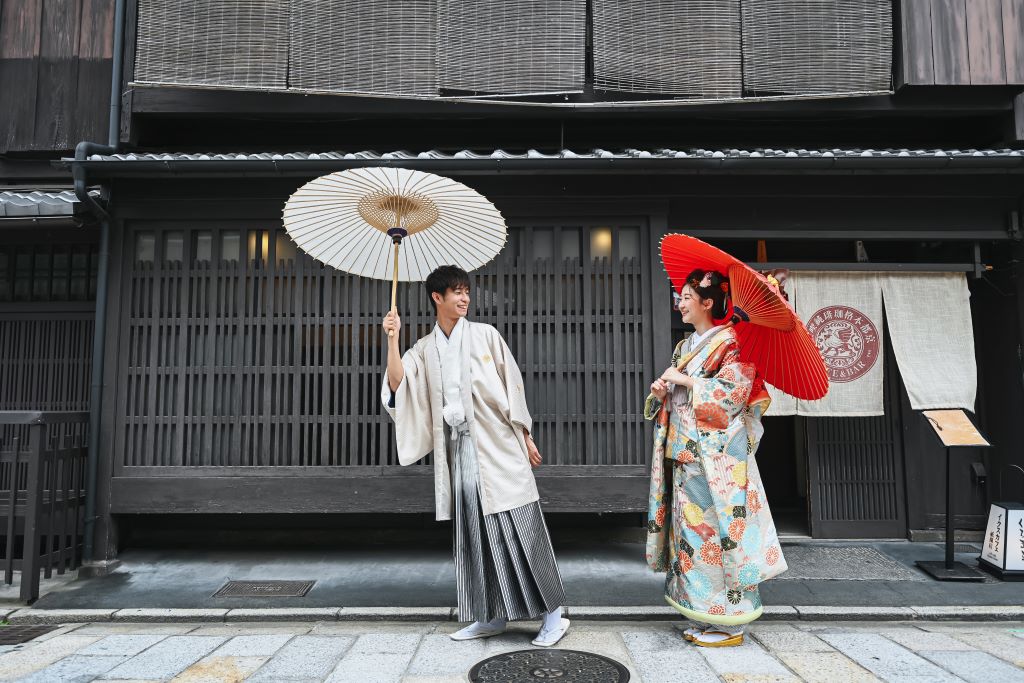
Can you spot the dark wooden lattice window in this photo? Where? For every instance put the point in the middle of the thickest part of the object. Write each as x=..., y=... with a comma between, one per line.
x=47, y=272
x=47, y=294
x=236, y=351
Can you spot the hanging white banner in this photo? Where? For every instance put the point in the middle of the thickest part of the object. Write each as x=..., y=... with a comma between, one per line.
x=843, y=313
x=929, y=317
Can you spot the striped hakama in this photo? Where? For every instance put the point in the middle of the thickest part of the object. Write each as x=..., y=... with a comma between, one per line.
x=504, y=563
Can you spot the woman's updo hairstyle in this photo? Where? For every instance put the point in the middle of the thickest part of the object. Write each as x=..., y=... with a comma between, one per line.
x=710, y=284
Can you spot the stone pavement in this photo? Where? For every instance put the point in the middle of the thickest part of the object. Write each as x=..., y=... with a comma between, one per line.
x=421, y=652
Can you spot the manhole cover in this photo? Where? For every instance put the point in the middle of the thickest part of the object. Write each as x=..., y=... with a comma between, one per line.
x=264, y=589
x=12, y=635
x=525, y=666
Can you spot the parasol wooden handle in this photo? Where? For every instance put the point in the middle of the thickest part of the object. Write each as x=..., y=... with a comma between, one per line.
x=394, y=287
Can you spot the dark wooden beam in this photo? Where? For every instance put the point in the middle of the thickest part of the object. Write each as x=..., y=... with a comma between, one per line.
x=176, y=100
x=571, y=492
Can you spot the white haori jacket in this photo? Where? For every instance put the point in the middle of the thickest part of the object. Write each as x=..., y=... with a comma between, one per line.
x=495, y=407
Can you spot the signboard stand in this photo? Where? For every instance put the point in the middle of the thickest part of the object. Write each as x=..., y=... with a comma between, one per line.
x=1002, y=553
x=955, y=430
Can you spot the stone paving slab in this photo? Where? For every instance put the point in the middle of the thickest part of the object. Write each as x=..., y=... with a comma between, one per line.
x=263, y=645
x=304, y=658
x=747, y=662
x=919, y=640
x=661, y=656
x=216, y=669
x=439, y=655
x=825, y=667
x=29, y=658
x=123, y=645
x=976, y=667
x=886, y=659
x=778, y=641
x=77, y=668
x=166, y=659
x=377, y=657
x=1002, y=644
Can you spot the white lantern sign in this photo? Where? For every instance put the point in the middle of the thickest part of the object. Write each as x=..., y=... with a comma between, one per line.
x=1003, y=550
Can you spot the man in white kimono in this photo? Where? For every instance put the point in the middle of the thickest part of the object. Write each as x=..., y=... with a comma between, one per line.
x=459, y=393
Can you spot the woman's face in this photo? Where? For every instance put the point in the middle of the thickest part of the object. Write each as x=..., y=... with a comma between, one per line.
x=693, y=308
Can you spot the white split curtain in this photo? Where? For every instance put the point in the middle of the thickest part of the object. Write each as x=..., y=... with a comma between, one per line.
x=929, y=318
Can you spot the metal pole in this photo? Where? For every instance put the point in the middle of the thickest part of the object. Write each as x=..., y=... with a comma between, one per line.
x=82, y=151
x=949, y=509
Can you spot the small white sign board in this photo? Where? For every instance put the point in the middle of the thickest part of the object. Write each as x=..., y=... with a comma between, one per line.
x=1004, y=537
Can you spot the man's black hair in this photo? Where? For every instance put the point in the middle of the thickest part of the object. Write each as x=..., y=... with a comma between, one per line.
x=445, y=278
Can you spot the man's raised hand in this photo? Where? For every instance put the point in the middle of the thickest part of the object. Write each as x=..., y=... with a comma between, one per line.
x=392, y=323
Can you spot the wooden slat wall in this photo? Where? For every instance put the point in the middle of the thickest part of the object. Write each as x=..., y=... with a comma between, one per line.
x=55, y=61
x=962, y=42
x=856, y=471
x=45, y=360
x=276, y=361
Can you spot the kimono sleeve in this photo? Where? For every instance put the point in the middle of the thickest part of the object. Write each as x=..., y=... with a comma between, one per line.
x=719, y=398
x=512, y=378
x=409, y=407
x=652, y=406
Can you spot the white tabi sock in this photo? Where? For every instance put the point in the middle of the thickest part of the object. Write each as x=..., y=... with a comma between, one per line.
x=495, y=623
x=552, y=619
x=480, y=629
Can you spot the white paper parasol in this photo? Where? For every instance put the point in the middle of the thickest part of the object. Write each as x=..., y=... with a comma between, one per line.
x=356, y=220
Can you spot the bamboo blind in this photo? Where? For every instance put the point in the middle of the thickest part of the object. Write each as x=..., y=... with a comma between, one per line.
x=684, y=47
x=518, y=46
x=213, y=42
x=364, y=46
x=803, y=47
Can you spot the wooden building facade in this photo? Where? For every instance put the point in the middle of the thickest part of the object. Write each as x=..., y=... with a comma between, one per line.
x=242, y=378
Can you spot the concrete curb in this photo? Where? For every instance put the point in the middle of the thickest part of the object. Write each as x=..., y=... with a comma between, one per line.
x=586, y=613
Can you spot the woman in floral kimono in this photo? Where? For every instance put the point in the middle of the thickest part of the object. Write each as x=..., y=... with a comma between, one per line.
x=709, y=527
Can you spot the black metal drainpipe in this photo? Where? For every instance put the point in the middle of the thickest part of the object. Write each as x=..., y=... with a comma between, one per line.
x=78, y=172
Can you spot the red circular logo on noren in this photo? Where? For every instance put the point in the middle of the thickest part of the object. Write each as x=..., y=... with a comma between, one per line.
x=848, y=341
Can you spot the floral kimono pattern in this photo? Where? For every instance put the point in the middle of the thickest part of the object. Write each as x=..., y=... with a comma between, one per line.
x=709, y=526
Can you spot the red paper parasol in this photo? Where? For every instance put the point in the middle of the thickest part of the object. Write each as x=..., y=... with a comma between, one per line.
x=770, y=334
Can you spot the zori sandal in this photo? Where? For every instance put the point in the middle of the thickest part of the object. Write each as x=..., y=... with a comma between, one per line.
x=713, y=638
x=689, y=630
